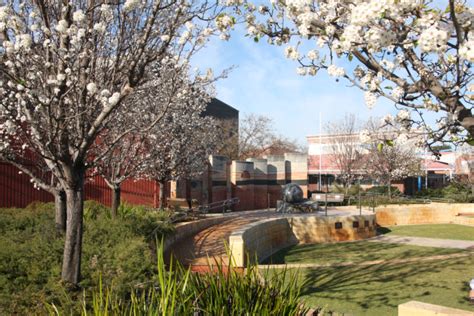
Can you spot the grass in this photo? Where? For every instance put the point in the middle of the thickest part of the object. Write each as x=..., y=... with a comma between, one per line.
x=379, y=289
x=442, y=231
x=356, y=252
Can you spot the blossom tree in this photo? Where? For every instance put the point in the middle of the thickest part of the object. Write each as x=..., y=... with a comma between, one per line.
x=173, y=89
x=345, y=148
x=66, y=68
x=389, y=158
x=413, y=52
x=181, y=145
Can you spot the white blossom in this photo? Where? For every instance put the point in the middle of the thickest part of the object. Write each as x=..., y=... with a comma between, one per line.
x=99, y=27
x=433, y=39
x=370, y=99
x=335, y=71
x=91, y=88
x=62, y=26
x=403, y=115
x=364, y=136
x=130, y=5
x=114, y=99
x=398, y=92
x=301, y=71
x=78, y=16
x=291, y=52
x=313, y=54
x=466, y=51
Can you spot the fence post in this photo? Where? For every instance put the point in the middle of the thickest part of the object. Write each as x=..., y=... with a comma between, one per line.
x=326, y=203
x=373, y=203
x=360, y=203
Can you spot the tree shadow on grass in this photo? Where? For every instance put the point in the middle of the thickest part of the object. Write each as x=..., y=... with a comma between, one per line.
x=384, y=285
x=358, y=251
x=383, y=230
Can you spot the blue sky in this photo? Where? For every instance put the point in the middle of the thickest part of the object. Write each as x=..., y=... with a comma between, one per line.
x=265, y=82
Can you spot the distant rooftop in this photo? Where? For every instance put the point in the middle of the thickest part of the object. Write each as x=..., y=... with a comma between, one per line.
x=218, y=109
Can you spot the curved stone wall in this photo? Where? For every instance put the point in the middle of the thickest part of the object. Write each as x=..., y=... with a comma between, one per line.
x=257, y=241
x=433, y=213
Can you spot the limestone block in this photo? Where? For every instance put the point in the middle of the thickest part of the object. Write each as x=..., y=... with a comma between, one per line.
x=415, y=308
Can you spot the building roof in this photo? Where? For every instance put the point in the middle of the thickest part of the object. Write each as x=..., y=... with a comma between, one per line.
x=434, y=165
x=218, y=109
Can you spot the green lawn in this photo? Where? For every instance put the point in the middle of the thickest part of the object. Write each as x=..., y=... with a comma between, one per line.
x=359, y=251
x=379, y=289
x=443, y=231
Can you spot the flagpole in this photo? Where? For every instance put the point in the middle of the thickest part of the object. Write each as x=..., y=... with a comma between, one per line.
x=320, y=153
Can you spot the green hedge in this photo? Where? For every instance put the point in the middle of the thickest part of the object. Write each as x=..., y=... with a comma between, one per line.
x=455, y=191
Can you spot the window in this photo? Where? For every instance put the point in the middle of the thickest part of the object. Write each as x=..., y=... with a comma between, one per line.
x=355, y=224
x=338, y=225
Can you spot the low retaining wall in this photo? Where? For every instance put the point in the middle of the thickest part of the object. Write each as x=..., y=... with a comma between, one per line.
x=434, y=213
x=424, y=309
x=464, y=220
x=259, y=240
x=184, y=230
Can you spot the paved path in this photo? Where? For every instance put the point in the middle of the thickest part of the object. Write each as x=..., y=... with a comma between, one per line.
x=211, y=242
x=422, y=241
x=365, y=263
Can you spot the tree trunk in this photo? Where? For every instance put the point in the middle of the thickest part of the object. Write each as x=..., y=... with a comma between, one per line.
x=390, y=190
x=71, y=269
x=60, y=211
x=115, y=200
x=162, y=195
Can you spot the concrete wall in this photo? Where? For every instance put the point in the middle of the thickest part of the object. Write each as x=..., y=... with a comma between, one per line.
x=218, y=165
x=464, y=220
x=260, y=183
x=256, y=182
x=318, y=229
x=276, y=177
x=434, y=213
x=297, y=170
x=413, y=308
x=242, y=179
x=261, y=239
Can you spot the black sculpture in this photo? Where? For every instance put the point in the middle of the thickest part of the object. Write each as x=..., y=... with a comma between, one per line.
x=292, y=193
x=293, y=201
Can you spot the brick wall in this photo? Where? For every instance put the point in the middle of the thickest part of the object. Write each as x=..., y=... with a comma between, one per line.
x=256, y=182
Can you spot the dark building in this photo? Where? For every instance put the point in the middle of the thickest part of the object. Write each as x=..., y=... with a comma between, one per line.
x=228, y=120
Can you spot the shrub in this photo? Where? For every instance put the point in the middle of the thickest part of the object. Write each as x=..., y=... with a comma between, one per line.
x=177, y=291
x=31, y=254
x=458, y=192
x=383, y=190
x=430, y=193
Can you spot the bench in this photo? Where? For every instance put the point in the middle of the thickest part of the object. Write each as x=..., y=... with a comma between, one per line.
x=178, y=202
x=327, y=198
